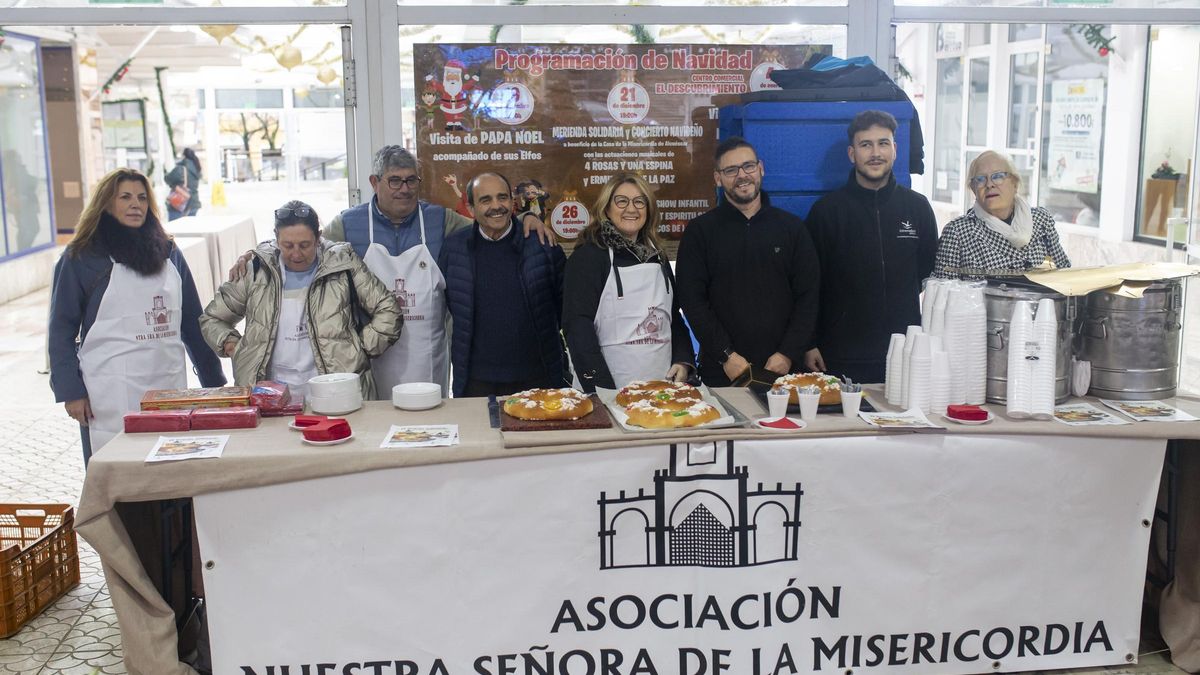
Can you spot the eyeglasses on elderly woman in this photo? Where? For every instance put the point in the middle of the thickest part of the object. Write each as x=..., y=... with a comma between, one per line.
x=621, y=202
x=983, y=179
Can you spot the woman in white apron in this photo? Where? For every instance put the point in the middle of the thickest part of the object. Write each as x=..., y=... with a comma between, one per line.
x=125, y=292
x=620, y=313
x=302, y=300
x=421, y=354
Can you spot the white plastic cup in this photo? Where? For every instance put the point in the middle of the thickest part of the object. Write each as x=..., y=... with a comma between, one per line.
x=777, y=403
x=851, y=402
x=808, y=405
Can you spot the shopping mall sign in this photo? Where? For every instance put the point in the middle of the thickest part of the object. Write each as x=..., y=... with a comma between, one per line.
x=571, y=116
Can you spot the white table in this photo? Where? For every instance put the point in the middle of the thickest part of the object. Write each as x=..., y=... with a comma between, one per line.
x=228, y=237
x=196, y=252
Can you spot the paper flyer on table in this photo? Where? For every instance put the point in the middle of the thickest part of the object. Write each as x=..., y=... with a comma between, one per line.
x=421, y=436
x=1085, y=414
x=898, y=421
x=1149, y=411
x=609, y=398
x=175, y=448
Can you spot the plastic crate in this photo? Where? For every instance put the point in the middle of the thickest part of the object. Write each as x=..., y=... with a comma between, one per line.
x=803, y=144
x=39, y=560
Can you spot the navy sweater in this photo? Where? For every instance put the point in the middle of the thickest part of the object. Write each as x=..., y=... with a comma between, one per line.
x=540, y=269
x=79, y=285
x=507, y=350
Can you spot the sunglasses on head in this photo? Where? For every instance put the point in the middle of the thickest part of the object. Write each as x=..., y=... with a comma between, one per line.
x=300, y=212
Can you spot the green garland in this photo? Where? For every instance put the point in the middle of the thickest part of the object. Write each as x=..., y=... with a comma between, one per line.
x=1096, y=39
x=162, y=102
x=117, y=75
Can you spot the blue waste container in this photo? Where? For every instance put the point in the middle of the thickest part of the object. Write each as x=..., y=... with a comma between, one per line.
x=802, y=144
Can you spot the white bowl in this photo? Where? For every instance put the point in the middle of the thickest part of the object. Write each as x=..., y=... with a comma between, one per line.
x=338, y=404
x=333, y=384
x=417, y=395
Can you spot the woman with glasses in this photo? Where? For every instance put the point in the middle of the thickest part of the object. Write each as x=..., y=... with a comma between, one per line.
x=302, y=299
x=620, y=311
x=1000, y=233
x=122, y=311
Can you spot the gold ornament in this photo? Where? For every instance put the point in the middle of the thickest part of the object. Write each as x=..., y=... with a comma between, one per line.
x=289, y=57
x=302, y=92
x=327, y=75
x=219, y=32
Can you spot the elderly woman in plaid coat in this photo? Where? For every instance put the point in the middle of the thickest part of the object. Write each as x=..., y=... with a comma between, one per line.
x=1000, y=232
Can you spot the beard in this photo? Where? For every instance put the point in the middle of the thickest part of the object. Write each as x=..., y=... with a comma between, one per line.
x=143, y=249
x=863, y=172
x=734, y=197
x=452, y=87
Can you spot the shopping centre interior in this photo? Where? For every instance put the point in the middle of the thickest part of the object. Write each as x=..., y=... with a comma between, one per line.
x=284, y=99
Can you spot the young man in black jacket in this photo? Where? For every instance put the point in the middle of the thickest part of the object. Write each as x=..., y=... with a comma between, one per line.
x=747, y=275
x=876, y=241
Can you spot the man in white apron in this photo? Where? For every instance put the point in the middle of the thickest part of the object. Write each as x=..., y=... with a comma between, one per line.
x=133, y=346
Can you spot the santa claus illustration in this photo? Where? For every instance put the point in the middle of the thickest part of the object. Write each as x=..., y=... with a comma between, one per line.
x=453, y=90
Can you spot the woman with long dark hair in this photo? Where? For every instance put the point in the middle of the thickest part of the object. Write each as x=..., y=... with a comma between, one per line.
x=621, y=314
x=186, y=176
x=122, y=311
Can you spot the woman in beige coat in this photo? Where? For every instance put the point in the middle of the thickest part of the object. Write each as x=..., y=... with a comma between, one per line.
x=302, y=301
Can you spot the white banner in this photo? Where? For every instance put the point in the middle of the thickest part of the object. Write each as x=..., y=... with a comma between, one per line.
x=1076, y=131
x=915, y=553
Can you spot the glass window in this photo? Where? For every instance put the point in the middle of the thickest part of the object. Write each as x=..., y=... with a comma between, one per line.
x=979, y=34
x=1168, y=137
x=238, y=99
x=947, y=135
x=977, y=103
x=1023, y=100
x=317, y=98
x=1073, y=95
x=950, y=37
x=26, y=206
x=1024, y=31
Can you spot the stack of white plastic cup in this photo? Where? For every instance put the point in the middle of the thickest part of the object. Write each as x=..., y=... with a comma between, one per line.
x=1020, y=373
x=895, y=368
x=1045, y=369
x=920, y=377
x=909, y=342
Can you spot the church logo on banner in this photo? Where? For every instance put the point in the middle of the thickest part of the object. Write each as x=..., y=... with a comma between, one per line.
x=703, y=511
x=159, y=315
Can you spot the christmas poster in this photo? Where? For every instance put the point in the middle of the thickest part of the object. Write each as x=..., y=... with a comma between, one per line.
x=559, y=120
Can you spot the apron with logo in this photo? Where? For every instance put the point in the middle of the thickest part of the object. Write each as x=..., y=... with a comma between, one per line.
x=633, y=323
x=422, y=352
x=292, y=359
x=133, y=346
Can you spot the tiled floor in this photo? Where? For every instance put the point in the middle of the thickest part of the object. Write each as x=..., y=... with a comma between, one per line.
x=40, y=461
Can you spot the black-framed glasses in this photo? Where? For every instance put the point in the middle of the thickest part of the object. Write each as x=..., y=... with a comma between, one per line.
x=733, y=171
x=623, y=202
x=300, y=212
x=981, y=180
x=396, y=182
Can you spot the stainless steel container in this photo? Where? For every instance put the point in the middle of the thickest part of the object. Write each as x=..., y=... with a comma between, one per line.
x=1133, y=343
x=1000, y=297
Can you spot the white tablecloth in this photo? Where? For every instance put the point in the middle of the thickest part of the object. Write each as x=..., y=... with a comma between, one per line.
x=196, y=252
x=228, y=237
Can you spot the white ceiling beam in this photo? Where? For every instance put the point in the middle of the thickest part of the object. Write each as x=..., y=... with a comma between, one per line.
x=1098, y=14
x=170, y=16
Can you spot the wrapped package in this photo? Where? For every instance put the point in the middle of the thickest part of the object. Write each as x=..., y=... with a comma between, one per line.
x=268, y=395
x=293, y=408
x=237, y=417
x=157, y=420
x=205, y=397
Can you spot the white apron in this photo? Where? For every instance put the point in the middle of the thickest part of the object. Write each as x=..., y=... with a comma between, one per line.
x=133, y=346
x=633, y=323
x=292, y=359
x=422, y=352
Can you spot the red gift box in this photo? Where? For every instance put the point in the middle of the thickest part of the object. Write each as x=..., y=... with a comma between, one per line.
x=293, y=408
x=332, y=429
x=240, y=417
x=157, y=420
x=270, y=395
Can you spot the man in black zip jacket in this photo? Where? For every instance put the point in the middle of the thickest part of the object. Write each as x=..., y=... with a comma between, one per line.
x=747, y=275
x=876, y=242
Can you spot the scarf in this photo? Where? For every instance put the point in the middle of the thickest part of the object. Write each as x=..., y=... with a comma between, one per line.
x=144, y=249
x=612, y=238
x=1020, y=232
